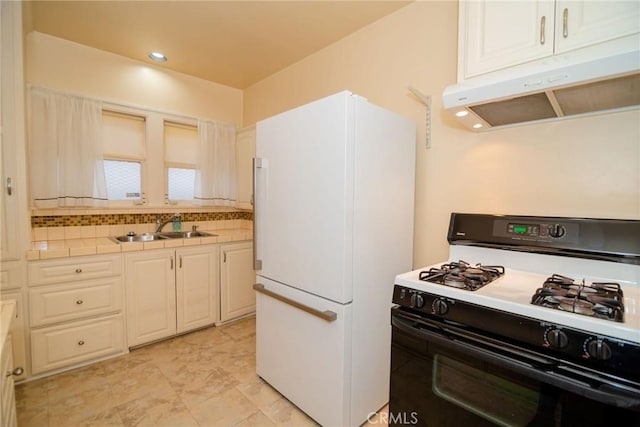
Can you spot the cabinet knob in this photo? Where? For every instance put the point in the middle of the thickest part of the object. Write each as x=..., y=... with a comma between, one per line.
x=80, y=342
x=78, y=270
x=16, y=372
x=79, y=302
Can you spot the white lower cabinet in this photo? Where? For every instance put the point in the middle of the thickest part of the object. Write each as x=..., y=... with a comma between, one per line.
x=237, y=277
x=8, y=416
x=197, y=288
x=18, y=334
x=170, y=292
x=75, y=311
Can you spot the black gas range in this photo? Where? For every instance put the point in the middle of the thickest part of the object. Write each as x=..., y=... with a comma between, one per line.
x=543, y=309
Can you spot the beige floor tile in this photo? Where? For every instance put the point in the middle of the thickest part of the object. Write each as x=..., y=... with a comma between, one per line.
x=32, y=394
x=240, y=329
x=72, y=383
x=196, y=387
x=33, y=416
x=107, y=418
x=156, y=411
x=259, y=419
x=88, y=404
x=125, y=363
x=285, y=413
x=259, y=392
x=147, y=381
x=207, y=338
x=227, y=409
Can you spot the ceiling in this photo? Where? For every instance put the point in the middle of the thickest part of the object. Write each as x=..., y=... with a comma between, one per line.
x=235, y=43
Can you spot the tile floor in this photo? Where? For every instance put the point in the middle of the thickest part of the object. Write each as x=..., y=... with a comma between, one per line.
x=206, y=378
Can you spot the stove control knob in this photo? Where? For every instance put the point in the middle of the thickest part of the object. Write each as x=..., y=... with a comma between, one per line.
x=440, y=307
x=417, y=301
x=556, y=231
x=598, y=349
x=557, y=338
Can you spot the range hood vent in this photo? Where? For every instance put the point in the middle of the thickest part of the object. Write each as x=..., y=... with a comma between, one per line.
x=561, y=87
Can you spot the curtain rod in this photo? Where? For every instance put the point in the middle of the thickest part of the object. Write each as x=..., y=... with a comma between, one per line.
x=131, y=106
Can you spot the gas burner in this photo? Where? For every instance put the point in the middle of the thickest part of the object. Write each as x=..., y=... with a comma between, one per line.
x=601, y=300
x=462, y=275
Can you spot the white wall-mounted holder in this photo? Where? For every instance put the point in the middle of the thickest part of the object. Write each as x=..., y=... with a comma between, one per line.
x=426, y=100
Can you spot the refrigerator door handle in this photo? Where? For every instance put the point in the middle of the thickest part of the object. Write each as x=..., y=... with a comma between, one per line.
x=257, y=263
x=327, y=315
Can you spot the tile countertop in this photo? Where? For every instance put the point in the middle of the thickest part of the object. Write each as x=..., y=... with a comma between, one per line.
x=7, y=313
x=47, y=249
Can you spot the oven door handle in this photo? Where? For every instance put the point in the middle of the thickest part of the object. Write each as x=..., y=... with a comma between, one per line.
x=610, y=393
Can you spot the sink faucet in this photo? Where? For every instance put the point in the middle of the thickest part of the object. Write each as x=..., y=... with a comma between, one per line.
x=160, y=223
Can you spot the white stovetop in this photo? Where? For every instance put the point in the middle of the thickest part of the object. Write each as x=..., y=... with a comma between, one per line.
x=527, y=272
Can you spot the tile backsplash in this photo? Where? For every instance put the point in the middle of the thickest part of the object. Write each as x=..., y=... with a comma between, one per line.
x=40, y=221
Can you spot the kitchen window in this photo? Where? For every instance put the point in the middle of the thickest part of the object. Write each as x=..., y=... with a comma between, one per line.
x=180, y=156
x=124, y=155
x=128, y=156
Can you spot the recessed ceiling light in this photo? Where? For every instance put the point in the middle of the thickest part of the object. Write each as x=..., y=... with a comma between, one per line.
x=462, y=113
x=158, y=57
x=477, y=126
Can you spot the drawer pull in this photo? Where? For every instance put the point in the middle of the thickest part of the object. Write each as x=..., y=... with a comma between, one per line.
x=16, y=372
x=78, y=270
x=79, y=302
x=80, y=342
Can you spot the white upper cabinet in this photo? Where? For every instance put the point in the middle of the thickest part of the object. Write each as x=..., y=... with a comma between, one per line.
x=583, y=23
x=498, y=34
x=11, y=132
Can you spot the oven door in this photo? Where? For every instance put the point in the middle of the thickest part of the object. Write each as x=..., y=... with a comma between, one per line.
x=442, y=375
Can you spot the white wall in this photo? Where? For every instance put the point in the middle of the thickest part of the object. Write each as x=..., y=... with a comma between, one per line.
x=586, y=167
x=71, y=67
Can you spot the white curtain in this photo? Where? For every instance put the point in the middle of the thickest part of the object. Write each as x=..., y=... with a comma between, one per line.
x=65, y=151
x=216, y=166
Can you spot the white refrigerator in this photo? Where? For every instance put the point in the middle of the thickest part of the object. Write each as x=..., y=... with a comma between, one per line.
x=333, y=225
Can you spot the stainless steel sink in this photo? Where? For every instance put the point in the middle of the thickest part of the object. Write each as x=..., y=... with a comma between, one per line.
x=150, y=237
x=145, y=237
x=185, y=234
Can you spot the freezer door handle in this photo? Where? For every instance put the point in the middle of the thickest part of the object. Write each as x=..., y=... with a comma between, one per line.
x=327, y=315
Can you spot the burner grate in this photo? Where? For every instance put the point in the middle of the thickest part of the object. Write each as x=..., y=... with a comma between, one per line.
x=603, y=300
x=462, y=275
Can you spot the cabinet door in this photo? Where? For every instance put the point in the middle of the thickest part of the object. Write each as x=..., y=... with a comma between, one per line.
x=245, y=152
x=18, y=333
x=8, y=416
x=151, y=296
x=584, y=23
x=498, y=34
x=12, y=134
x=237, y=278
x=197, y=287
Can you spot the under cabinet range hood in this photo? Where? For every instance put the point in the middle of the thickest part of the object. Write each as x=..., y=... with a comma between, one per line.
x=561, y=86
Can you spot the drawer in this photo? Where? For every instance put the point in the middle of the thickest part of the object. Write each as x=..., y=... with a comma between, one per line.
x=74, y=269
x=64, y=345
x=59, y=303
